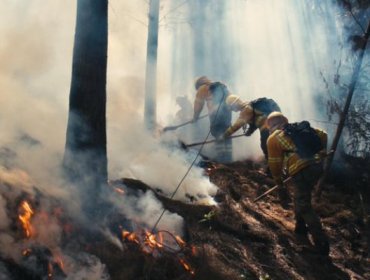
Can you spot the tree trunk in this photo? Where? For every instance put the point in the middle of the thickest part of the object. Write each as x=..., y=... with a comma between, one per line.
x=151, y=65
x=85, y=157
x=343, y=115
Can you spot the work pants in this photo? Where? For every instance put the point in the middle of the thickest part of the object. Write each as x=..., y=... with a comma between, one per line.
x=305, y=215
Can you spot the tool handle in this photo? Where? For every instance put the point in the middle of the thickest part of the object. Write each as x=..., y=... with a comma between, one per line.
x=211, y=141
x=167, y=128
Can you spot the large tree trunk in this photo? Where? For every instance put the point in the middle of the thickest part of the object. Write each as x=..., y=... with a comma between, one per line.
x=85, y=158
x=151, y=65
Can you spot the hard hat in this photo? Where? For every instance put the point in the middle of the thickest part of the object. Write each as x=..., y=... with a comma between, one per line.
x=275, y=120
x=201, y=81
x=231, y=100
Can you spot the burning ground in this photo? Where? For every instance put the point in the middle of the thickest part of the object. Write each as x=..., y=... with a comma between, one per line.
x=42, y=238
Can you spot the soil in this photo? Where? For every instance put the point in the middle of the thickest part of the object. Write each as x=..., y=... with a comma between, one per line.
x=243, y=239
x=235, y=239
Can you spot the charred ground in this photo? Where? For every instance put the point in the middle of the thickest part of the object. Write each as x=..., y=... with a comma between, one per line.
x=240, y=239
x=237, y=239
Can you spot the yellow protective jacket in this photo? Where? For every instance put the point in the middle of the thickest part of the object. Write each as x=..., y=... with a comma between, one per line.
x=247, y=116
x=282, y=154
x=203, y=96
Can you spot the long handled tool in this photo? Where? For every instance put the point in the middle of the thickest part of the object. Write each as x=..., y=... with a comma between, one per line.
x=272, y=189
x=211, y=141
x=167, y=128
x=284, y=182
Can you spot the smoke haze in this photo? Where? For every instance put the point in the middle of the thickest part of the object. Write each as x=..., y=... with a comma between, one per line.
x=274, y=48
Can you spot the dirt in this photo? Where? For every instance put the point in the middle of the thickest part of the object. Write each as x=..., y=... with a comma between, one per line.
x=236, y=239
x=241, y=239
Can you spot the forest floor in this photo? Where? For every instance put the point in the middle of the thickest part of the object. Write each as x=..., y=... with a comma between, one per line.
x=235, y=239
x=242, y=239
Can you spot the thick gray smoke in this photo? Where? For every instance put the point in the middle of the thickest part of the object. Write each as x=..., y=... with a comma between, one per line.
x=36, y=53
x=290, y=51
x=275, y=48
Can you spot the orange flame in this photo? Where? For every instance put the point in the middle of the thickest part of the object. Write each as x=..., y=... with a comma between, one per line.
x=130, y=236
x=154, y=243
x=180, y=240
x=186, y=266
x=151, y=240
x=25, y=218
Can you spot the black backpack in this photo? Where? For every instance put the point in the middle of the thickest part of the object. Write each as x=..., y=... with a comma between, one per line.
x=265, y=105
x=305, y=138
x=220, y=119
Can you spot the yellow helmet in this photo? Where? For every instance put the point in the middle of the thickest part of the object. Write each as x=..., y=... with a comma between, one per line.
x=234, y=102
x=276, y=120
x=201, y=81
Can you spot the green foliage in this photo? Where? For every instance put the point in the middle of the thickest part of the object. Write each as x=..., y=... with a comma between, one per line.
x=264, y=277
x=207, y=217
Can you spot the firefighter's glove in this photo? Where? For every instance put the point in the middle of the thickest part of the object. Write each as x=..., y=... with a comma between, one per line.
x=251, y=128
x=279, y=181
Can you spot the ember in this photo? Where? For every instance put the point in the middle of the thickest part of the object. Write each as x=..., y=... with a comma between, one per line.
x=186, y=266
x=157, y=245
x=150, y=242
x=25, y=215
x=26, y=252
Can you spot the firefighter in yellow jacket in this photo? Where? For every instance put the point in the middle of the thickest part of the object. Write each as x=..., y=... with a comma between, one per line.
x=304, y=173
x=214, y=94
x=248, y=116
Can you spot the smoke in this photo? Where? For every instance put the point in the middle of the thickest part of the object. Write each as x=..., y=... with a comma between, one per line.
x=88, y=267
x=287, y=51
x=145, y=211
x=36, y=53
x=4, y=274
x=4, y=221
x=273, y=48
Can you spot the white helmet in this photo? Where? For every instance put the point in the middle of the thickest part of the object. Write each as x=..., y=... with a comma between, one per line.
x=276, y=120
x=234, y=102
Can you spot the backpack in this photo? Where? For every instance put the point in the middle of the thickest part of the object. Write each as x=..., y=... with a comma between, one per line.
x=222, y=120
x=219, y=92
x=265, y=105
x=305, y=138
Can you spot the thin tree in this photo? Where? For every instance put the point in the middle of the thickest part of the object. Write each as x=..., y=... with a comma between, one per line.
x=151, y=65
x=343, y=115
x=85, y=157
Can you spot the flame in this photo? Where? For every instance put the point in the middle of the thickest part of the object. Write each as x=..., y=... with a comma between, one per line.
x=180, y=241
x=151, y=240
x=155, y=244
x=186, y=266
x=130, y=236
x=25, y=218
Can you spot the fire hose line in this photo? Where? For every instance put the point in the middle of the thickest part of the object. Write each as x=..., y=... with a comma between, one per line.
x=191, y=165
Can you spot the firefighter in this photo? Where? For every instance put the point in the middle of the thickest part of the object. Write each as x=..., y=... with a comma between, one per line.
x=214, y=94
x=283, y=155
x=251, y=117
